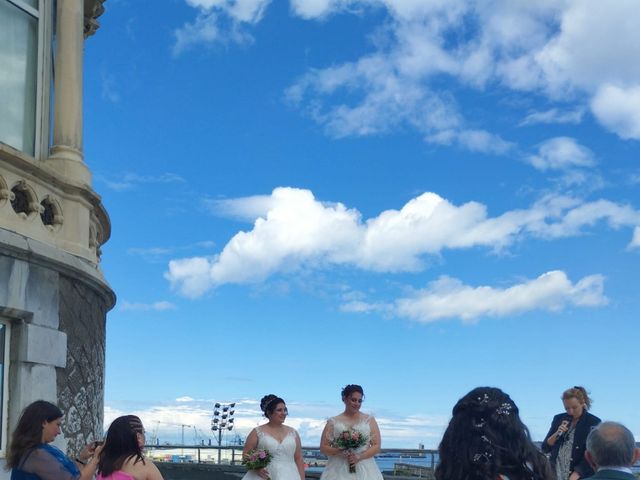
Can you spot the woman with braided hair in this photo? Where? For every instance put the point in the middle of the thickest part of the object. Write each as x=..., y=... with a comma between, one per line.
x=122, y=456
x=486, y=440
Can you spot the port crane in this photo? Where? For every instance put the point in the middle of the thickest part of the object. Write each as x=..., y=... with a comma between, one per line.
x=154, y=435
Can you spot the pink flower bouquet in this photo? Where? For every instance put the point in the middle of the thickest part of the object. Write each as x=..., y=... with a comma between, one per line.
x=350, y=440
x=256, y=459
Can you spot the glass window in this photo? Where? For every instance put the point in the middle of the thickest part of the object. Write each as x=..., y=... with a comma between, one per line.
x=19, y=79
x=4, y=362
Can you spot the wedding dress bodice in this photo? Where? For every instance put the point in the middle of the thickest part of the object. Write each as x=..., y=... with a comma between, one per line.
x=282, y=465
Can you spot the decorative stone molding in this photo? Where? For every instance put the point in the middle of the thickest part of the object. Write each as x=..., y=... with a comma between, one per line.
x=66, y=209
x=5, y=193
x=24, y=200
x=51, y=214
x=92, y=10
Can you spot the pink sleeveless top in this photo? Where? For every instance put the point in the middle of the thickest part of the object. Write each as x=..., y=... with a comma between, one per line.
x=119, y=475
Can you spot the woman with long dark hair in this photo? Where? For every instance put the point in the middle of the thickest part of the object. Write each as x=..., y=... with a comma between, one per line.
x=30, y=457
x=121, y=457
x=567, y=437
x=486, y=440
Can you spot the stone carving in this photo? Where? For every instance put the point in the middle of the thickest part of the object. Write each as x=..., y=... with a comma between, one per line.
x=92, y=10
x=51, y=213
x=5, y=193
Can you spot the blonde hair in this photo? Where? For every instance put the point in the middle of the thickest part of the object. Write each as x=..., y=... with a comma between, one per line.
x=579, y=393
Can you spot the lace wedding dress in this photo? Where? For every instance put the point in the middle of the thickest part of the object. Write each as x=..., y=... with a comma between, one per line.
x=282, y=465
x=337, y=466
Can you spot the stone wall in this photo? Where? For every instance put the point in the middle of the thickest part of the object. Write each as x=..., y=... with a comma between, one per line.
x=56, y=305
x=80, y=385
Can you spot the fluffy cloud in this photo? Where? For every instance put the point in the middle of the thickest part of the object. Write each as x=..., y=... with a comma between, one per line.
x=298, y=231
x=450, y=298
x=219, y=21
x=561, y=153
x=165, y=422
x=584, y=53
x=562, y=49
x=618, y=109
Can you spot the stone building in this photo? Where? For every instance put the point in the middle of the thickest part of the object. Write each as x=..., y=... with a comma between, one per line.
x=53, y=295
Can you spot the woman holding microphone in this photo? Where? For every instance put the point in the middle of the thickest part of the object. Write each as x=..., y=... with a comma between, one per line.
x=567, y=437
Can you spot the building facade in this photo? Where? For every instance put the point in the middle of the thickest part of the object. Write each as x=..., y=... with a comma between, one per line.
x=53, y=295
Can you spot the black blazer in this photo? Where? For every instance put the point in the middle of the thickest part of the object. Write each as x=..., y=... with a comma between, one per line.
x=585, y=424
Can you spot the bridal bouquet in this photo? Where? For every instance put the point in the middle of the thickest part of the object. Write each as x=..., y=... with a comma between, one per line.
x=256, y=459
x=350, y=440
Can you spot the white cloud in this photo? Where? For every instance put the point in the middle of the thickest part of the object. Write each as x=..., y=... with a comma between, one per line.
x=108, y=90
x=300, y=231
x=561, y=153
x=191, y=276
x=560, y=48
x=618, y=109
x=159, y=306
x=563, y=49
x=165, y=422
x=635, y=241
x=186, y=398
x=585, y=53
x=316, y=8
x=473, y=140
x=219, y=21
x=247, y=208
x=359, y=306
x=129, y=181
x=554, y=115
x=450, y=298
x=158, y=254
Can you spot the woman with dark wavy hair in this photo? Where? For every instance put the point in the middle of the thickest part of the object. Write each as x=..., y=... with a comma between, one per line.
x=281, y=441
x=486, y=440
x=30, y=455
x=359, y=463
x=121, y=457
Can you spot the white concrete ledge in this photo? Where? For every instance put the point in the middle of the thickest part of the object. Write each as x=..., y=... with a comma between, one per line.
x=41, y=345
x=20, y=247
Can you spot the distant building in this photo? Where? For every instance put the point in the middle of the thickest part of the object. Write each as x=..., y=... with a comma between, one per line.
x=53, y=296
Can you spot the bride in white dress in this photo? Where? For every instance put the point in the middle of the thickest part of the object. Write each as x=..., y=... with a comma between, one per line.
x=351, y=419
x=282, y=442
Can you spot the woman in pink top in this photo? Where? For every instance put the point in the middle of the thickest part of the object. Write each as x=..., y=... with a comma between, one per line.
x=121, y=457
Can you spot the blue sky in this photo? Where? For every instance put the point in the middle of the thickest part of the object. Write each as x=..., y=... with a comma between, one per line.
x=417, y=196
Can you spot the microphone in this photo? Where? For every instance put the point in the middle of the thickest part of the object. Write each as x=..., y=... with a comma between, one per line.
x=565, y=422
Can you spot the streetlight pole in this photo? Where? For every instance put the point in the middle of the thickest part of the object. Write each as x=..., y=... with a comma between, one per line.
x=222, y=420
